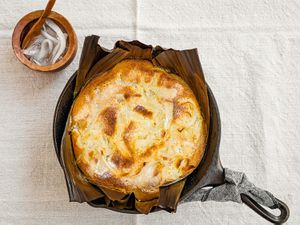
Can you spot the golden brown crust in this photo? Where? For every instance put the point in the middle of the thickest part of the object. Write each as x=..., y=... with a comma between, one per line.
x=135, y=128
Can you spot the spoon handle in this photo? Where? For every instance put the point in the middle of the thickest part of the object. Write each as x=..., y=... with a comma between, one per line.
x=48, y=8
x=36, y=28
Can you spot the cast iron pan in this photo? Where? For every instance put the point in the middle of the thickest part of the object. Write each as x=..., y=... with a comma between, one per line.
x=209, y=172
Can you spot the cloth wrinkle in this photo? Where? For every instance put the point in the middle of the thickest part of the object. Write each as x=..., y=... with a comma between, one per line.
x=236, y=183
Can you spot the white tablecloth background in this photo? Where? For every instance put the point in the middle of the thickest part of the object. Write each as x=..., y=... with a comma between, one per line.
x=250, y=53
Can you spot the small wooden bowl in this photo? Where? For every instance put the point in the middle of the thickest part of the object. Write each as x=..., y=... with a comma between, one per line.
x=23, y=27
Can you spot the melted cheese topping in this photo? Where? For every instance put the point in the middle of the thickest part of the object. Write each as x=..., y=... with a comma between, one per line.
x=136, y=127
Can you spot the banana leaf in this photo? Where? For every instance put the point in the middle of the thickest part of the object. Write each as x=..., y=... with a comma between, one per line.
x=95, y=60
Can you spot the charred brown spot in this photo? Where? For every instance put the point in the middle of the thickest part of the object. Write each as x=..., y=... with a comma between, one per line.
x=180, y=129
x=142, y=110
x=126, y=135
x=109, y=118
x=127, y=96
x=129, y=93
x=121, y=161
x=163, y=133
x=91, y=154
x=178, y=162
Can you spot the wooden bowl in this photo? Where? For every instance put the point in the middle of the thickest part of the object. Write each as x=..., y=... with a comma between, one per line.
x=23, y=27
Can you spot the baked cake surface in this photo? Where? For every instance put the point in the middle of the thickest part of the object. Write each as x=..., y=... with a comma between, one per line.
x=136, y=127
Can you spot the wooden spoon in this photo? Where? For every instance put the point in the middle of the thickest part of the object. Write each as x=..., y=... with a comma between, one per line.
x=35, y=30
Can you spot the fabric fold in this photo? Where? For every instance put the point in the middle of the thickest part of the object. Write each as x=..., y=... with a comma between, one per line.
x=236, y=183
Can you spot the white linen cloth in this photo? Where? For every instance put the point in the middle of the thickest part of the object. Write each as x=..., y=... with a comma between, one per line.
x=250, y=54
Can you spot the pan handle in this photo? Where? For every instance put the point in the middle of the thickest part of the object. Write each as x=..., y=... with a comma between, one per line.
x=284, y=210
